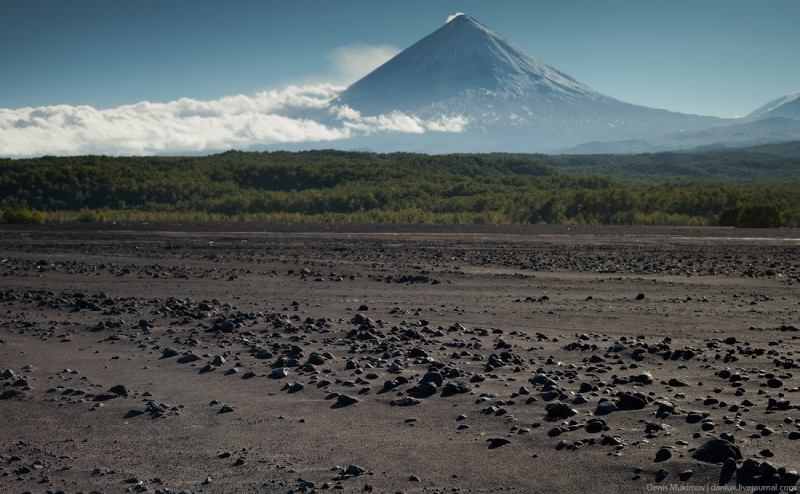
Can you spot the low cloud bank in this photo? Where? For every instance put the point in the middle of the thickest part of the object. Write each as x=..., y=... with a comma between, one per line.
x=189, y=125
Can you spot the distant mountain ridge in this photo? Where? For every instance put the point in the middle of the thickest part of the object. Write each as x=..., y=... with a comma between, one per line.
x=745, y=134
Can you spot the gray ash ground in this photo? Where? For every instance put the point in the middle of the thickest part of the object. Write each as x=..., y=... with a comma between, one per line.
x=152, y=359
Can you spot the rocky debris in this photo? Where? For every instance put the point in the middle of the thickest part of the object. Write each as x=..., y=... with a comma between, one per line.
x=345, y=400
x=764, y=474
x=351, y=471
x=595, y=425
x=279, y=373
x=456, y=388
x=106, y=396
x=264, y=354
x=644, y=378
x=188, y=358
x=774, y=383
x=425, y=389
x=497, y=442
x=133, y=413
x=119, y=390
x=405, y=401
x=717, y=451
x=605, y=407
x=631, y=401
x=558, y=410
x=12, y=393
x=577, y=382
x=295, y=387
x=207, y=368
x=665, y=409
x=663, y=454
x=433, y=377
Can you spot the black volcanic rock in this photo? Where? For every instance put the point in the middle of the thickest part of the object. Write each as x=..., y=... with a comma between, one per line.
x=717, y=451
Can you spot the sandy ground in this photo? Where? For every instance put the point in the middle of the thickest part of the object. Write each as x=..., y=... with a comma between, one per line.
x=485, y=359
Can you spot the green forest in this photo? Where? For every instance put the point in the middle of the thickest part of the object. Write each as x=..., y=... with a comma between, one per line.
x=748, y=187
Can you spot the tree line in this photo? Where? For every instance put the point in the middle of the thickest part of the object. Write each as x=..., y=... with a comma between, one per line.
x=332, y=185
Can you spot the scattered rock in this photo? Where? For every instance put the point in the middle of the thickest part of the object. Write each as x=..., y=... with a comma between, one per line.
x=433, y=377
x=345, y=400
x=605, y=407
x=406, y=401
x=559, y=410
x=279, y=373
x=497, y=442
x=106, y=396
x=595, y=425
x=628, y=401
x=188, y=358
x=353, y=470
x=12, y=393
x=663, y=454
x=717, y=451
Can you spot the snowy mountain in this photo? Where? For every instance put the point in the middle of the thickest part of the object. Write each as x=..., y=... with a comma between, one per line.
x=510, y=99
x=787, y=106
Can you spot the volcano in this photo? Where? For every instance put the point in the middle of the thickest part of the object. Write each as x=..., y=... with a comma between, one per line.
x=511, y=100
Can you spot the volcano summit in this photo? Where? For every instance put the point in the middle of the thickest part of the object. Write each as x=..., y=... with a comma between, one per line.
x=512, y=100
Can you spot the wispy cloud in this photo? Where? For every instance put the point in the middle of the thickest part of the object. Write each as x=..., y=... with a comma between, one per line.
x=352, y=62
x=188, y=125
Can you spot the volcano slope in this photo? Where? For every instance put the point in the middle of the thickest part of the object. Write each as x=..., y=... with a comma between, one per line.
x=165, y=358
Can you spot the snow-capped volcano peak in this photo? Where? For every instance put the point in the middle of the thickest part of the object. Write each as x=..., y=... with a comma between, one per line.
x=450, y=18
x=462, y=59
x=467, y=71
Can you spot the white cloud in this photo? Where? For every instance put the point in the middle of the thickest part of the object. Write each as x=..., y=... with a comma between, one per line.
x=448, y=124
x=354, y=61
x=189, y=125
x=396, y=122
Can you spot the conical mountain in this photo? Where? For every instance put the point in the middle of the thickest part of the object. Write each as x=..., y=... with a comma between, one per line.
x=466, y=69
x=463, y=60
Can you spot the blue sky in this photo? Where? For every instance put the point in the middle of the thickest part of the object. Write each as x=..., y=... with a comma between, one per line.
x=722, y=58
x=712, y=57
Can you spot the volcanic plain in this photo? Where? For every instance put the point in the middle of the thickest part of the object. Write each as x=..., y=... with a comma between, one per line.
x=248, y=357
